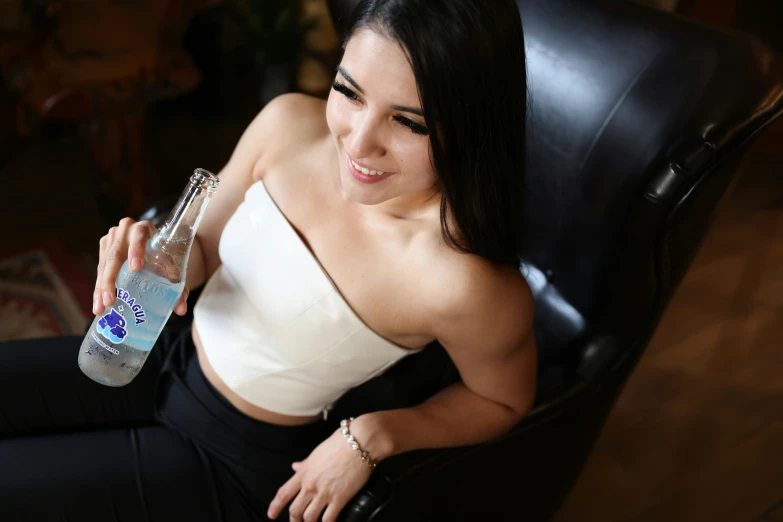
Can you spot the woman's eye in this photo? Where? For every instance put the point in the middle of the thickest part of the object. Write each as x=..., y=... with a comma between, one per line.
x=412, y=125
x=345, y=91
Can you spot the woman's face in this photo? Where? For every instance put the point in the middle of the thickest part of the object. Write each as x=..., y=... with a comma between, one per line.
x=375, y=117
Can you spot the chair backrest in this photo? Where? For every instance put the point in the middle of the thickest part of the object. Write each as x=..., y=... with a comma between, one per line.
x=636, y=125
x=636, y=122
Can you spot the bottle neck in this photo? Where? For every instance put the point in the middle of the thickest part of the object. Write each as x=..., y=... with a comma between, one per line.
x=183, y=220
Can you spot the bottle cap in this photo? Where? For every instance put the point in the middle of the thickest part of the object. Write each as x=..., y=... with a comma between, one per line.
x=205, y=180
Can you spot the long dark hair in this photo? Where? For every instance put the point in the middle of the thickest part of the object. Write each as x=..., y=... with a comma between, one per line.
x=469, y=62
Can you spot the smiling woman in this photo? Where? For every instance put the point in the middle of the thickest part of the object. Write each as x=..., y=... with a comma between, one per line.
x=477, y=103
x=375, y=117
x=347, y=234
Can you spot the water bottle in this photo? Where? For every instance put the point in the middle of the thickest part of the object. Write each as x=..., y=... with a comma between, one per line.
x=120, y=339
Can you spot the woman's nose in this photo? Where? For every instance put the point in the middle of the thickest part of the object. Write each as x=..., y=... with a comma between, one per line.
x=366, y=140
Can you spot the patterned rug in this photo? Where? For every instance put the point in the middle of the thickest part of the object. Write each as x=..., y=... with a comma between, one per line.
x=43, y=292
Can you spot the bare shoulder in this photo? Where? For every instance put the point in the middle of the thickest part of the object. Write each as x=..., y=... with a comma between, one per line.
x=289, y=122
x=478, y=298
x=293, y=112
x=485, y=324
x=298, y=112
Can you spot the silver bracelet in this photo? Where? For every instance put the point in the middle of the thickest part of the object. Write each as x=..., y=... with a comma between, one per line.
x=345, y=428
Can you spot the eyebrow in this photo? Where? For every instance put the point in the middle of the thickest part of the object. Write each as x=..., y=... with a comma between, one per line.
x=403, y=108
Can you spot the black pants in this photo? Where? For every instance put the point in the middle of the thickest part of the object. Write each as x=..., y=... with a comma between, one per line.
x=167, y=446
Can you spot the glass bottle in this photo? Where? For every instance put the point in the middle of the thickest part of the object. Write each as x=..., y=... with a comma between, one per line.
x=121, y=338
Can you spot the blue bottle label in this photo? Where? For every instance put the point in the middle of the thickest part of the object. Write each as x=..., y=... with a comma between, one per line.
x=136, y=308
x=112, y=324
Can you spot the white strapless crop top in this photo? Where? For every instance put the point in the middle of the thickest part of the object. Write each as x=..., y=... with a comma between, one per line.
x=273, y=324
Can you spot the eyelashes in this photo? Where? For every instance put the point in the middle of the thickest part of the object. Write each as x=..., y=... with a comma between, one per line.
x=414, y=127
x=342, y=89
x=421, y=130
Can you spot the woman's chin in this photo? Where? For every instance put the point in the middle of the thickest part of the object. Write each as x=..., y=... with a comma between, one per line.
x=356, y=191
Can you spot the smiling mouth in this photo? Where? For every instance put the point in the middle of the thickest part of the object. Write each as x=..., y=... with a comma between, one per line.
x=365, y=170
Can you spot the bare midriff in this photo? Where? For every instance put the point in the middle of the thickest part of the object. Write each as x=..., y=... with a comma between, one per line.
x=238, y=402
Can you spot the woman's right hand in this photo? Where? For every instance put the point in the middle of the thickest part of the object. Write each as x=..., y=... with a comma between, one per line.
x=128, y=240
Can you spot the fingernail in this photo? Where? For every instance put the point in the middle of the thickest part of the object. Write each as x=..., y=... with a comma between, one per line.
x=95, y=306
x=106, y=298
x=135, y=264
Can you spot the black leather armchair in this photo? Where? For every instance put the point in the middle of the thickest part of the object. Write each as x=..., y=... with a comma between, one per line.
x=639, y=121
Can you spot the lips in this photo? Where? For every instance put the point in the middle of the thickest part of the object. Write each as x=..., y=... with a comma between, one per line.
x=361, y=176
x=366, y=169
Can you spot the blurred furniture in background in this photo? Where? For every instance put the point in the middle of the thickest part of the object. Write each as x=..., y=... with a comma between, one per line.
x=100, y=64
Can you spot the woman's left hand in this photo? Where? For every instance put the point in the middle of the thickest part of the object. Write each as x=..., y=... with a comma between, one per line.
x=328, y=478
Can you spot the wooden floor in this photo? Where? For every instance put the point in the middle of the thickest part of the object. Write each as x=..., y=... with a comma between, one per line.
x=697, y=434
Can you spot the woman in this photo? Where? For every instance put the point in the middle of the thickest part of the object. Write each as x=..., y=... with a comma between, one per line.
x=345, y=235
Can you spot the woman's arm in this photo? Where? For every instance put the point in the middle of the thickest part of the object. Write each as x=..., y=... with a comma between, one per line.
x=488, y=334
x=196, y=274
